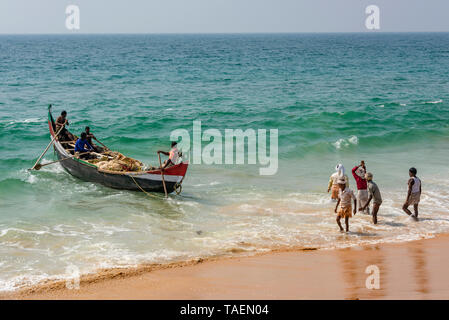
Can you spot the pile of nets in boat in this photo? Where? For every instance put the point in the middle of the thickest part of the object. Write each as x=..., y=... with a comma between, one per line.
x=115, y=161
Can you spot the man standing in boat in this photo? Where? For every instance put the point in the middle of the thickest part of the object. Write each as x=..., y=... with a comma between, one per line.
x=62, y=122
x=173, y=155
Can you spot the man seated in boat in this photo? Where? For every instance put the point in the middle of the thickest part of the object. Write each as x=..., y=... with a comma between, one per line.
x=91, y=136
x=62, y=122
x=82, y=146
x=173, y=156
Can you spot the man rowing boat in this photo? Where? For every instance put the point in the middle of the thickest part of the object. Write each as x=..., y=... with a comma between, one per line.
x=91, y=136
x=173, y=156
x=81, y=144
x=62, y=122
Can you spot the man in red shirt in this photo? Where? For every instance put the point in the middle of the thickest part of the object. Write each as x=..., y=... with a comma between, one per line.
x=362, y=194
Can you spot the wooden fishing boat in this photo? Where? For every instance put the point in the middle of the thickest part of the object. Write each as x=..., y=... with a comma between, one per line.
x=149, y=181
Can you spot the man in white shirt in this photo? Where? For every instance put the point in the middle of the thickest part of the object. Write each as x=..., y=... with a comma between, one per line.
x=413, y=194
x=344, y=200
x=173, y=156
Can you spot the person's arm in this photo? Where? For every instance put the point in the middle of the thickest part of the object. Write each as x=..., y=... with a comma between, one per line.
x=420, y=186
x=60, y=123
x=338, y=202
x=356, y=177
x=166, y=163
x=367, y=203
x=90, y=148
x=163, y=152
x=410, y=185
x=329, y=186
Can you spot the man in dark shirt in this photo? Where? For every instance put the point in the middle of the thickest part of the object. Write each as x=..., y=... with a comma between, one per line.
x=91, y=136
x=374, y=194
x=62, y=122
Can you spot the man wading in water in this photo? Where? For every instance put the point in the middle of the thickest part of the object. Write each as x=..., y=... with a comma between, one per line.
x=362, y=194
x=413, y=194
x=374, y=193
x=345, y=195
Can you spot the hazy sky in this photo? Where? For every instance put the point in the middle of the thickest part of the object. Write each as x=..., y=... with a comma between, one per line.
x=221, y=16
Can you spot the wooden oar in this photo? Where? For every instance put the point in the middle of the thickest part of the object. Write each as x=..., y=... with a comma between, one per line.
x=46, y=149
x=101, y=143
x=39, y=166
x=162, y=174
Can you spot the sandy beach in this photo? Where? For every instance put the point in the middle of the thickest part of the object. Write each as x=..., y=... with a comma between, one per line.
x=411, y=270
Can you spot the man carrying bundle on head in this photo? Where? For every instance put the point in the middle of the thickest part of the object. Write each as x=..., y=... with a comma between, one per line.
x=358, y=173
x=333, y=181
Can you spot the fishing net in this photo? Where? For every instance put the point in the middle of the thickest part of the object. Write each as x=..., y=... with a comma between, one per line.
x=115, y=161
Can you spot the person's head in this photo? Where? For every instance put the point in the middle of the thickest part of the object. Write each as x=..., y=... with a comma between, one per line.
x=87, y=130
x=368, y=176
x=64, y=113
x=173, y=144
x=412, y=172
x=83, y=136
x=341, y=184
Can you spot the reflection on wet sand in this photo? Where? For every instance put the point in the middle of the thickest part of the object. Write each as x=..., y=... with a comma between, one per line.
x=354, y=267
x=420, y=272
x=409, y=274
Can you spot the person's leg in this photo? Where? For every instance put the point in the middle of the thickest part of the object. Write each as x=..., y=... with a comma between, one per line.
x=405, y=208
x=375, y=210
x=69, y=136
x=359, y=201
x=334, y=192
x=415, y=208
x=364, y=200
x=347, y=223
x=339, y=223
x=86, y=156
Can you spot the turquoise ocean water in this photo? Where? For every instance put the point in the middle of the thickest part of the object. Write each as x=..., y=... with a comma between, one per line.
x=383, y=98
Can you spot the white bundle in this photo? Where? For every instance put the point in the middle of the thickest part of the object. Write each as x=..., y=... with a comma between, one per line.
x=340, y=170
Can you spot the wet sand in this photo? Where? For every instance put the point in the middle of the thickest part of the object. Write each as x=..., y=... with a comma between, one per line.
x=411, y=270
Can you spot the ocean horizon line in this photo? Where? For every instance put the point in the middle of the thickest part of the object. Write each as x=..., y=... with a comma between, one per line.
x=221, y=33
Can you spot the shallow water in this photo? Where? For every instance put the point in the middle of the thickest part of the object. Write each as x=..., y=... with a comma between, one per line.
x=333, y=98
